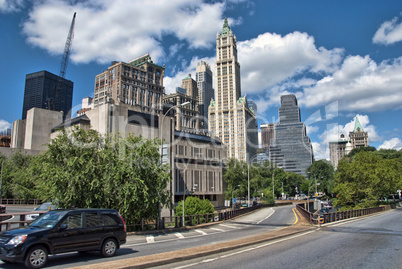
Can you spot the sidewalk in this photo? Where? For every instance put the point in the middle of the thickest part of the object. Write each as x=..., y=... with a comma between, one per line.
x=179, y=255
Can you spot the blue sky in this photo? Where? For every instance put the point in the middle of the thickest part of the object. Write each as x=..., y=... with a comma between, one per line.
x=341, y=58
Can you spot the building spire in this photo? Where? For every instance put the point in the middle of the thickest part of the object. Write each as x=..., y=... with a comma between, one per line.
x=225, y=28
x=358, y=126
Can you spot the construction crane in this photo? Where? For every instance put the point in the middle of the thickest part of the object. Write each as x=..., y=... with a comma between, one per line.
x=63, y=65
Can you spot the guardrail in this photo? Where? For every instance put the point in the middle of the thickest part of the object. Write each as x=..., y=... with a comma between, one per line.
x=20, y=202
x=336, y=216
x=189, y=220
x=144, y=224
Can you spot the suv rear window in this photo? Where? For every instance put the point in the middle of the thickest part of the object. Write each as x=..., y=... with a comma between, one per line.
x=110, y=219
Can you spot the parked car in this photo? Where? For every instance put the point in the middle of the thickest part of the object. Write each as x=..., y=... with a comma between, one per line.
x=59, y=231
x=43, y=207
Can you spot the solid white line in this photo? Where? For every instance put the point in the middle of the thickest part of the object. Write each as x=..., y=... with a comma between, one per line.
x=232, y=227
x=273, y=211
x=150, y=239
x=179, y=235
x=201, y=232
x=217, y=229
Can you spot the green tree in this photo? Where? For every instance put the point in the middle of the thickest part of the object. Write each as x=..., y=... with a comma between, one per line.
x=362, y=181
x=323, y=172
x=85, y=169
x=194, y=206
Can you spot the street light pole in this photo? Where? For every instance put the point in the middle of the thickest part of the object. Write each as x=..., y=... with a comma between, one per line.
x=1, y=178
x=248, y=180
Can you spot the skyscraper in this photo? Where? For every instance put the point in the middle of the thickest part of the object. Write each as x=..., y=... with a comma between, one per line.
x=203, y=76
x=48, y=91
x=267, y=133
x=229, y=117
x=291, y=148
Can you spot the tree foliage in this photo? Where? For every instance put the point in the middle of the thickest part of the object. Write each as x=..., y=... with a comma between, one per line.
x=367, y=177
x=84, y=169
x=194, y=206
x=323, y=172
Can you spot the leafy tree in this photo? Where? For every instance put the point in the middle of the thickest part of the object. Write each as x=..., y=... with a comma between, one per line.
x=362, y=181
x=323, y=171
x=194, y=206
x=354, y=151
x=85, y=169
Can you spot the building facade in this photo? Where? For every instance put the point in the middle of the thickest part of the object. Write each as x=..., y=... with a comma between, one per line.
x=291, y=148
x=190, y=85
x=229, y=116
x=357, y=138
x=48, y=91
x=267, y=133
x=203, y=76
x=137, y=83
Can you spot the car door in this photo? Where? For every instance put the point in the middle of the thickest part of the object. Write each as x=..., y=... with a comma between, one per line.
x=69, y=235
x=93, y=230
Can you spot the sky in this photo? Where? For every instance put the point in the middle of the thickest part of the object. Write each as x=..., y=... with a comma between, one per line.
x=341, y=58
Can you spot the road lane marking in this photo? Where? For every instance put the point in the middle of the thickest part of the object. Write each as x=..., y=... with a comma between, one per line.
x=179, y=235
x=229, y=226
x=150, y=239
x=297, y=219
x=273, y=211
x=217, y=229
x=201, y=232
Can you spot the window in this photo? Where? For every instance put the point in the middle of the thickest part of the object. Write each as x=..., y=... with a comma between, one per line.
x=73, y=221
x=92, y=220
x=110, y=219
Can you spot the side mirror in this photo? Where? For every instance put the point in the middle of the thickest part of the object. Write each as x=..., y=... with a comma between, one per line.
x=62, y=227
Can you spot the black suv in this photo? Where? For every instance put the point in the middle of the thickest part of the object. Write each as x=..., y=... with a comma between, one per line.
x=60, y=231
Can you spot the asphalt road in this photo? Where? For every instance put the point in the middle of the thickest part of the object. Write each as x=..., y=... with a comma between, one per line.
x=370, y=242
x=261, y=221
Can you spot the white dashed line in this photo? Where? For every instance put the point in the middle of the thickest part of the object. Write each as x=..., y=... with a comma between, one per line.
x=179, y=235
x=150, y=239
x=201, y=232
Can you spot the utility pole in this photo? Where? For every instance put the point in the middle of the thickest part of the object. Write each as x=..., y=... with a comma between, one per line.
x=1, y=178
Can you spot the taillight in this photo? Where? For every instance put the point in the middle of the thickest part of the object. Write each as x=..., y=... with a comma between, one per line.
x=124, y=223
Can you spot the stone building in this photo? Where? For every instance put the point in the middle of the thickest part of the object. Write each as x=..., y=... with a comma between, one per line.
x=229, y=116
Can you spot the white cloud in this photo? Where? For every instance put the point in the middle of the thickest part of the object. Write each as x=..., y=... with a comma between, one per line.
x=360, y=84
x=8, y=6
x=270, y=59
x=4, y=125
x=389, y=32
x=394, y=143
x=122, y=30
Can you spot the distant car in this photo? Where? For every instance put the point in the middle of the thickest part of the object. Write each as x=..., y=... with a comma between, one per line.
x=61, y=231
x=43, y=207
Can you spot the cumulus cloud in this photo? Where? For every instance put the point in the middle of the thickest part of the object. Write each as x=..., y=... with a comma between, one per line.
x=121, y=30
x=389, y=32
x=4, y=125
x=360, y=84
x=8, y=6
x=394, y=143
x=270, y=59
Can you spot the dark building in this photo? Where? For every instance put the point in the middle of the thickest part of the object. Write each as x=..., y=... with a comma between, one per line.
x=267, y=133
x=291, y=148
x=48, y=91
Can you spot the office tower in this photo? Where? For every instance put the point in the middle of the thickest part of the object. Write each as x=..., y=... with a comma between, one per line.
x=267, y=133
x=190, y=85
x=137, y=83
x=229, y=117
x=48, y=91
x=291, y=148
x=203, y=76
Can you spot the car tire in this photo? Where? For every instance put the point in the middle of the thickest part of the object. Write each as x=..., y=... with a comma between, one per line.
x=109, y=248
x=36, y=257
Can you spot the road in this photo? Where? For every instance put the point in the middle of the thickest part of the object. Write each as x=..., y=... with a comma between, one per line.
x=266, y=219
x=371, y=242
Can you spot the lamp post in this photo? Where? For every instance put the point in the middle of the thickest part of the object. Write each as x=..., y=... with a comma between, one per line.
x=248, y=182
x=1, y=178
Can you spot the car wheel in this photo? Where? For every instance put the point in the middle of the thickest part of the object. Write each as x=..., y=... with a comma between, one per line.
x=36, y=257
x=109, y=248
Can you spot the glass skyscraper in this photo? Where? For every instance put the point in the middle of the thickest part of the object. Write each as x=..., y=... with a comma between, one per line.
x=291, y=148
x=48, y=91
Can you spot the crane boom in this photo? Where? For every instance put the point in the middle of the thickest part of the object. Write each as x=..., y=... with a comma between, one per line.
x=67, y=49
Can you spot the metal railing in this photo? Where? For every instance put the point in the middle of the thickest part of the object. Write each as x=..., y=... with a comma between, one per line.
x=20, y=202
x=314, y=218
